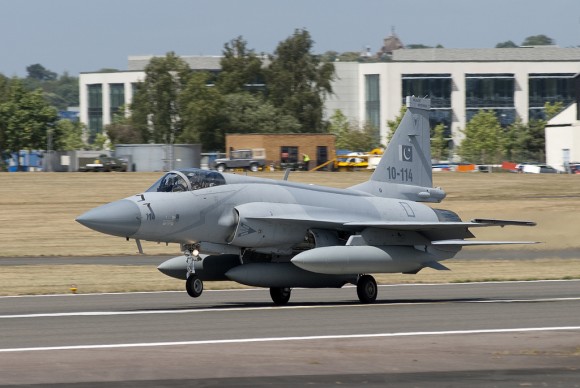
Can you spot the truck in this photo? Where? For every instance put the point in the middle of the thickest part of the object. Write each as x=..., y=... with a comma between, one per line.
x=106, y=164
x=248, y=159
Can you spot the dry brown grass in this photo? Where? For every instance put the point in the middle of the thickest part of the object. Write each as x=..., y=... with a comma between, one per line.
x=37, y=212
x=58, y=279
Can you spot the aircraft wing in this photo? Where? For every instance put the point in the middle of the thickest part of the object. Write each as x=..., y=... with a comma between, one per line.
x=420, y=226
x=329, y=218
x=312, y=216
x=463, y=243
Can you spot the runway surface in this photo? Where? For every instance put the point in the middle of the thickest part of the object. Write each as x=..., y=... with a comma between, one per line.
x=480, y=334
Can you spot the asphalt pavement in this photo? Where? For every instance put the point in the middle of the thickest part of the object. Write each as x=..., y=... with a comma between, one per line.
x=478, y=334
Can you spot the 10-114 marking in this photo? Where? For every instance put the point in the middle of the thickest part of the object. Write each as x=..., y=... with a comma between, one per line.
x=402, y=174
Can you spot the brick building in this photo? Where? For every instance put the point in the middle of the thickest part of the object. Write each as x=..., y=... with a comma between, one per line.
x=287, y=147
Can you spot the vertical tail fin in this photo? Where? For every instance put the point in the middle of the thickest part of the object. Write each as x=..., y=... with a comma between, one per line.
x=405, y=169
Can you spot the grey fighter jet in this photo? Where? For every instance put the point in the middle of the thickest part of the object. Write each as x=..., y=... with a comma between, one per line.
x=280, y=234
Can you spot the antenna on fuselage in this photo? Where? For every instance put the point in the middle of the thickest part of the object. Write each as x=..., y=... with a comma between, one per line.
x=287, y=174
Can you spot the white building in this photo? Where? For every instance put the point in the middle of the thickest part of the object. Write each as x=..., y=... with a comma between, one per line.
x=563, y=138
x=514, y=82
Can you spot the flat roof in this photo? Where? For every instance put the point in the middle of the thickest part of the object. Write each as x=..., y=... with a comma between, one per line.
x=519, y=54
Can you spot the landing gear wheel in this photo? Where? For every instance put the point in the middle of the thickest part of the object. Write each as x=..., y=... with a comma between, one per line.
x=194, y=286
x=280, y=295
x=366, y=289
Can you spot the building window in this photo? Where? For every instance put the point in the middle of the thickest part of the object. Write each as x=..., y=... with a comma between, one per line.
x=506, y=117
x=373, y=100
x=491, y=92
x=436, y=87
x=95, y=110
x=549, y=87
x=117, y=98
x=441, y=116
x=289, y=154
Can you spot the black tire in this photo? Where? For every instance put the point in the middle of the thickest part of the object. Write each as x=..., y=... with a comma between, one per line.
x=253, y=167
x=194, y=286
x=280, y=295
x=221, y=167
x=366, y=289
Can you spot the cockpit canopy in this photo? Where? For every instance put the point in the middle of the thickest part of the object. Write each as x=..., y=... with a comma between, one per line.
x=187, y=180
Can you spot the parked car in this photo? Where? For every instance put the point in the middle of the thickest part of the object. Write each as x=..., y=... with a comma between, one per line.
x=106, y=164
x=538, y=169
x=246, y=159
x=574, y=168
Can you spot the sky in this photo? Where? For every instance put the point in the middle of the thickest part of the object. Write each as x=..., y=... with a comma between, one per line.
x=82, y=36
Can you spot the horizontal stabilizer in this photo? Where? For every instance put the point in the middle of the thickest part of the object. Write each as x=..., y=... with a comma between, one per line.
x=465, y=243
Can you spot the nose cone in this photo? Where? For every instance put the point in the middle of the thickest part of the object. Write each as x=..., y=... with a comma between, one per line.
x=120, y=218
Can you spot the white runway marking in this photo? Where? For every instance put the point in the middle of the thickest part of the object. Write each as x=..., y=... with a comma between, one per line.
x=266, y=308
x=305, y=338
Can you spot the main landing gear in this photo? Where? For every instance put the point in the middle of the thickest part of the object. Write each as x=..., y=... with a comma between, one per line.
x=366, y=289
x=280, y=295
x=193, y=284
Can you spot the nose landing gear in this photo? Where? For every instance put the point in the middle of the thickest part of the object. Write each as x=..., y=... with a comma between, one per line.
x=193, y=284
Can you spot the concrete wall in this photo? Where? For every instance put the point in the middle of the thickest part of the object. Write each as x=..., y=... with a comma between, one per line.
x=158, y=157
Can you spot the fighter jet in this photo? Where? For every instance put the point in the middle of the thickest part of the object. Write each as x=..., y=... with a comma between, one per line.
x=280, y=234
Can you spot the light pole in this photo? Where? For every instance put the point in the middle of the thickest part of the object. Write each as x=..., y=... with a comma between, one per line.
x=48, y=158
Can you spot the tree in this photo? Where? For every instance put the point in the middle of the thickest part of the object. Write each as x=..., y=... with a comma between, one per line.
x=483, y=139
x=247, y=113
x=297, y=81
x=202, y=117
x=394, y=124
x=122, y=131
x=25, y=119
x=351, y=56
x=417, y=46
x=533, y=141
x=439, y=143
x=339, y=125
x=240, y=67
x=4, y=87
x=156, y=109
x=512, y=144
x=61, y=92
x=68, y=135
x=506, y=44
x=538, y=40
x=552, y=109
x=40, y=73
x=349, y=136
